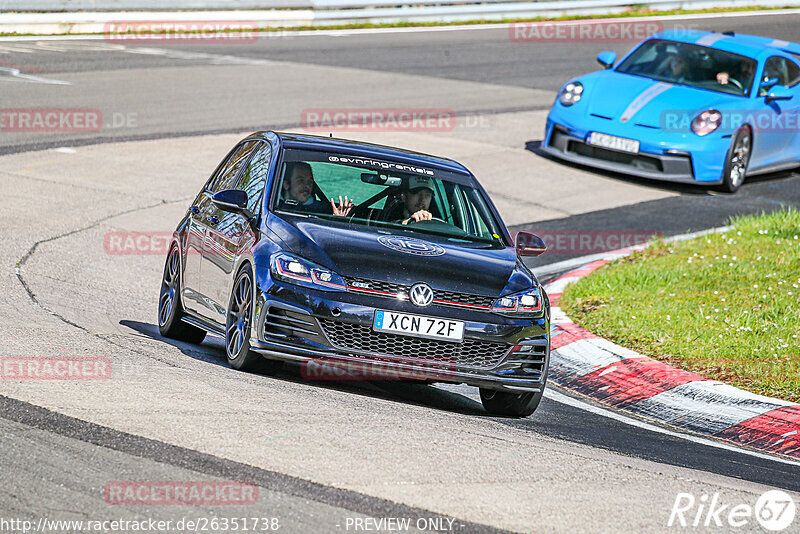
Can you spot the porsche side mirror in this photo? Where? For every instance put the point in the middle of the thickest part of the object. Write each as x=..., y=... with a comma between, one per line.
x=769, y=83
x=779, y=92
x=607, y=59
x=528, y=244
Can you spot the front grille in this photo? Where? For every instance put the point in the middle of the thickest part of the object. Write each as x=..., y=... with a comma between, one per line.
x=634, y=160
x=376, y=285
x=450, y=298
x=470, y=353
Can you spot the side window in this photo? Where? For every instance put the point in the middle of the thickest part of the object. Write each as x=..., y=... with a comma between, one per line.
x=227, y=177
x=254, y=177
x=781, y=68
x=794, y=73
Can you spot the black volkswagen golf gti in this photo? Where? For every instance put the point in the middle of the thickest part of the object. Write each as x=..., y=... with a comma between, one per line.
x=312, y=249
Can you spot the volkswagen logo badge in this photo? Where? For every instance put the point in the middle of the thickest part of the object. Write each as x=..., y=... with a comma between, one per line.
x=421, y=295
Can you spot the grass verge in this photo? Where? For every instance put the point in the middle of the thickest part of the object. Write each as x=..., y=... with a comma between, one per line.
x=726, y=306
x=633, y=12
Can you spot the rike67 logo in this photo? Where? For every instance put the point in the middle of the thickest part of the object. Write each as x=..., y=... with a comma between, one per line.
x=774, y=511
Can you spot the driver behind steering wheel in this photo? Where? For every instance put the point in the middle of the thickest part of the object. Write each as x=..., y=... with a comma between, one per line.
x=416, y=197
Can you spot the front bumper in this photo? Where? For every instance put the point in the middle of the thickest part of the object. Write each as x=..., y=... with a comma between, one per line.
x=335, y=328
x=668, y=156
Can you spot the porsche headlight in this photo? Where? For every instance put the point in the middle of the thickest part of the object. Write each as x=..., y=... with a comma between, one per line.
x=706, y=122
x=570, y=93
x=524, y=304
x=299, y=271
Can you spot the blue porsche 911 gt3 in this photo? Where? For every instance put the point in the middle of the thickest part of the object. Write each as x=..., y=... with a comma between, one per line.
x=684, y=106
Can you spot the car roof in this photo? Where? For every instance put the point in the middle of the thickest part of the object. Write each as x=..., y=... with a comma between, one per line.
x=317, y=142
x=743, y=44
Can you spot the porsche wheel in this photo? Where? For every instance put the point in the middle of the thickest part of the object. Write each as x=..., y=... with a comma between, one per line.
x=170, y=309
x=510, y=404
x=737, y=160
x=237, y=328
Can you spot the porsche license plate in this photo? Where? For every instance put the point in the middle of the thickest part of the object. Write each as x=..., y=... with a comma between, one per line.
x=613, y=142
x=418, y=325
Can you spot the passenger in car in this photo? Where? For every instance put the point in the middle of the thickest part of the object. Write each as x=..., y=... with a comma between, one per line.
x=297, y=192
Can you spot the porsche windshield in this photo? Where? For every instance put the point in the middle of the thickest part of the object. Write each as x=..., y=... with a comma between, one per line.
x=374, y=192
x=692, y=65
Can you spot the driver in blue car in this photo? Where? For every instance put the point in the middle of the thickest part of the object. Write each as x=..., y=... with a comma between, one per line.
x=417, y=200
x=298, y=192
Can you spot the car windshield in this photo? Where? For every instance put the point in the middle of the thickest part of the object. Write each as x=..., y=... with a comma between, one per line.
x=692, y=65
x=384, y=194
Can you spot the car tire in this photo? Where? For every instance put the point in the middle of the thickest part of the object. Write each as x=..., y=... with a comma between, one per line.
x=737, y=160
x=170, y=309
x=237, y=328
x=510, y=404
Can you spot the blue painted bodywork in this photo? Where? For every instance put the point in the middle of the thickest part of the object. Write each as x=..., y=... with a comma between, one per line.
x=661, y=125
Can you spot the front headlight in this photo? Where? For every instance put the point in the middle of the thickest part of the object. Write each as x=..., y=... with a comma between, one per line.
x=524, y=304
x=570, y=93
x=296, y=270
x=706, y=122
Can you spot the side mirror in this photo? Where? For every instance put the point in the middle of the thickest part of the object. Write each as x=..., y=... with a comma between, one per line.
x=607, y=59
x=779, y=92
x=769, y=83
x=232, y=200
x=528, y=244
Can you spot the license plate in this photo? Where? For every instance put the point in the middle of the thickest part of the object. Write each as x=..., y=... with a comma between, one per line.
x=418, y=325
x=613, y=142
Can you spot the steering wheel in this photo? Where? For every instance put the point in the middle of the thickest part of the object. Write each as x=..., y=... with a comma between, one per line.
x=432, y=219
x=737, y=83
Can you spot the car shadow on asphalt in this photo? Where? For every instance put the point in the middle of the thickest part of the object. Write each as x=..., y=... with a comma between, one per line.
x=678, y=188
x=212, y=351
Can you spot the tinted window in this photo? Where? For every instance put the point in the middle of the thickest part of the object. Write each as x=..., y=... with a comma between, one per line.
x=787, y=72
x=385, y=193
x=255, y=176
x=227, y=177
x=692, y=65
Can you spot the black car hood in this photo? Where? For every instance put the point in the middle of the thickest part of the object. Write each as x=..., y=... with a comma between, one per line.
x=357, y=251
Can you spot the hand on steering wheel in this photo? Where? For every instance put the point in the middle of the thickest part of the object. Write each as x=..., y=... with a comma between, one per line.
x=417, y=216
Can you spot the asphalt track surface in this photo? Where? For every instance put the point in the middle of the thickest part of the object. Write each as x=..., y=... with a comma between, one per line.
x=322, y=453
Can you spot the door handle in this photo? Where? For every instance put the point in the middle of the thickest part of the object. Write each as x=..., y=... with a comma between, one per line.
x=213, y=220
x=195, y=210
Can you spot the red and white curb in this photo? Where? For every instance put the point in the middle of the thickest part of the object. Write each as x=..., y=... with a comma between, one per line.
x=597, y=368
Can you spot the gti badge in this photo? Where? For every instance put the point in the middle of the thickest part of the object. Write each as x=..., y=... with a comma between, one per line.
x=421, y=295
x=410, y=246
